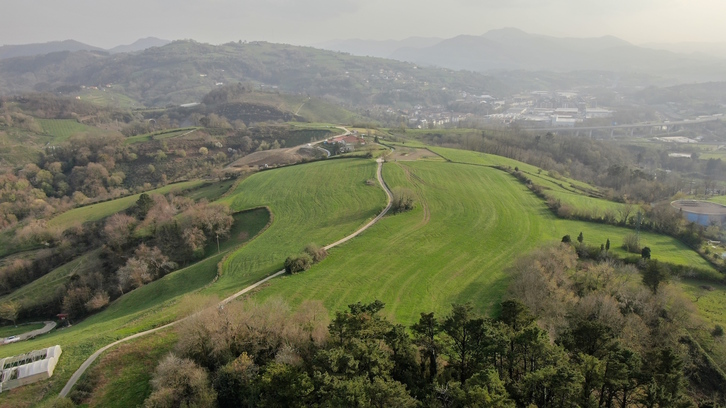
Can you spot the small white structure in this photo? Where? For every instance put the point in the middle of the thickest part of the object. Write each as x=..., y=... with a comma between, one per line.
x=28, y=368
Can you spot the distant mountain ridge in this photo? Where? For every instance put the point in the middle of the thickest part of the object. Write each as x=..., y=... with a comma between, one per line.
x=184, y=71
x=514, y=49
x=374, y=48
x=139, y=45
x=714, y=49
x=31, y=50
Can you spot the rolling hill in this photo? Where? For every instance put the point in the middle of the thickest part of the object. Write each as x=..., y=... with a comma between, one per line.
x=455, y=246
x=28, y=50
x=184, y=71
x=139, y=45
x=513, y=49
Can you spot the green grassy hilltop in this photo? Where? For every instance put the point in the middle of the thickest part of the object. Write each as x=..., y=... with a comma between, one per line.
x=469, y=224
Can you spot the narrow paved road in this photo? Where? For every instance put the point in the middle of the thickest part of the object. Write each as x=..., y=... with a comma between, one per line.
x=77, y=375
x=49, y=325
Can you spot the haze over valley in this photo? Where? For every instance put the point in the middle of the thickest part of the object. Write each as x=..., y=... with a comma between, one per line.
x=347, y=203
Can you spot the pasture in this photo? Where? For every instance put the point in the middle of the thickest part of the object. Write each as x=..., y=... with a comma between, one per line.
x=37, y=291
x=469, y=224
x=95, y=212
x=319, y=202
x=63, y=129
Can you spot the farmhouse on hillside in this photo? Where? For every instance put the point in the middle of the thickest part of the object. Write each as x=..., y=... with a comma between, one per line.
x=347, y=142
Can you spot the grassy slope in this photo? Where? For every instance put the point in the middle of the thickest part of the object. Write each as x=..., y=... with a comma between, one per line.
x=6, y=331
x=166, y=134
x=149, y=306
x=711, y=305
x=33, y=292
x=339, y=203
x=567, y=190
x=319, y=202
x=453, y=247
x=113, y=97
x=480, y=219
x=211, y=192
x=95, y=212
x=62, y=129
x=19, y=147
x=122, y=375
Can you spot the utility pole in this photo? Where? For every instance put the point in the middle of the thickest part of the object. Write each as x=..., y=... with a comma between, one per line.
x=218, y=251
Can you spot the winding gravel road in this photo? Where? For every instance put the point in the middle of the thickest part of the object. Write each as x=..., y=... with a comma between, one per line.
x=77, y=375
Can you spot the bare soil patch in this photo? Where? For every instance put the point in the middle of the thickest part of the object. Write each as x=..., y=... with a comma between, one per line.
x=700, y=207
x=410, y=154
x=278, y=157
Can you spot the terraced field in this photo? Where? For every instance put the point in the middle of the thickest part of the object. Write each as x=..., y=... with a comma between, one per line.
x=469, y=224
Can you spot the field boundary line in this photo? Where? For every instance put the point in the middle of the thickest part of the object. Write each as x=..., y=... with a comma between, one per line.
x=84, y=366
x=220, y=265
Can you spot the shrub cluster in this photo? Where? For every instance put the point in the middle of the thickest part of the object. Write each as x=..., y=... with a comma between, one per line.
x=312, y=254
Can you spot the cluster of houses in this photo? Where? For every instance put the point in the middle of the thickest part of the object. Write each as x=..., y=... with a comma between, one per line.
x=557, y=109
x=534, y=109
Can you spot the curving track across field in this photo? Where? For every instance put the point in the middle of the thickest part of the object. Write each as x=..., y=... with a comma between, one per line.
x=77, y=375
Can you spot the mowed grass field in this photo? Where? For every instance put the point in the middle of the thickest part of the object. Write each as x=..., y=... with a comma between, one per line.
x=62, y=129
x=569, y=191
x=469, y=224
x=319, y=203
x=95, y=212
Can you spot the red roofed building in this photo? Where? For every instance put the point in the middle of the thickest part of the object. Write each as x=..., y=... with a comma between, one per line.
x=348, y=142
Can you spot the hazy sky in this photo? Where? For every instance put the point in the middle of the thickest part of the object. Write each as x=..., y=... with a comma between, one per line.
x=107, y=23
